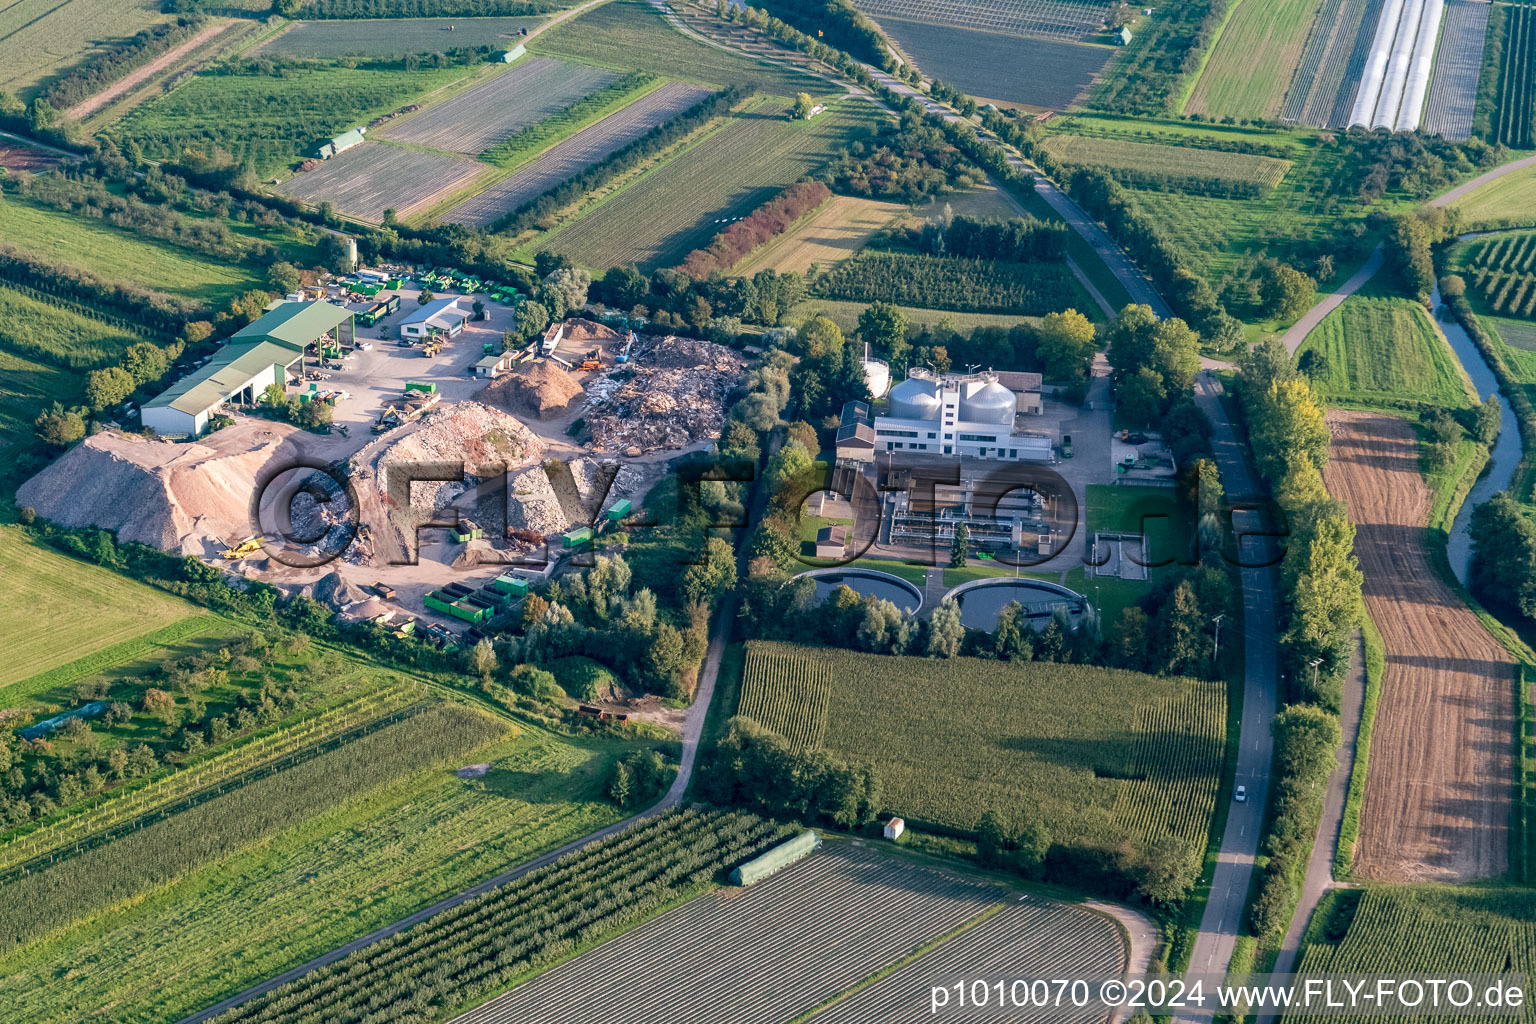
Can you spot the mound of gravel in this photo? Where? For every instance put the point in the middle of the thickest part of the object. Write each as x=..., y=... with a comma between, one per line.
x=540, y=389
x=335, y=592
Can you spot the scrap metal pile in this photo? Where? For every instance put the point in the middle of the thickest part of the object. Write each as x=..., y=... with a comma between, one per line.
x=671, y=396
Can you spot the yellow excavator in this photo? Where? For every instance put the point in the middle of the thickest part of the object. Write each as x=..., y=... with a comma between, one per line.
x=246, y=547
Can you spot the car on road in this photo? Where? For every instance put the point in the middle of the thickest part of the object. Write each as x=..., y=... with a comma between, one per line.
x=1240, y=794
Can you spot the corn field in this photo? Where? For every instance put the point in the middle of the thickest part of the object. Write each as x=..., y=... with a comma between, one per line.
x=788, y=694
x=1441, y=930
x=1103, y=755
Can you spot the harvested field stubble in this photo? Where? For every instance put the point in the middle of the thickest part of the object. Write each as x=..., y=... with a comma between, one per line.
x=475, y=120
x=1437, y=793
x=366, y=180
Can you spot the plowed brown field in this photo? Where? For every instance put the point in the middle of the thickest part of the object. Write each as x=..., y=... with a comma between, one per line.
x=1437, y=793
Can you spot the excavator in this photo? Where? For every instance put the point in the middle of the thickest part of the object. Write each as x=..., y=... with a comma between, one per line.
x=246, y=547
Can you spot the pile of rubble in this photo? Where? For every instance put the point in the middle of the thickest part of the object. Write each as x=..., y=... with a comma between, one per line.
x=676, y=396
x=484, y=441
x=552, y=498
x=540, y=389
x=334, y=592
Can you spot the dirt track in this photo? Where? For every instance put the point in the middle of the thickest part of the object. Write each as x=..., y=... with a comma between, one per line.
x=1437, y=793
x=88, y=106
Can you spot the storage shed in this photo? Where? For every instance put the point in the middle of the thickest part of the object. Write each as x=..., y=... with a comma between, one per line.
x=894, y=828
x=832, y=541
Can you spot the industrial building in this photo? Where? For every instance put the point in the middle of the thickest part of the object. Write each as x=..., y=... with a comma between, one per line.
x=969, y=415
x=445, y=316
x=255, y=357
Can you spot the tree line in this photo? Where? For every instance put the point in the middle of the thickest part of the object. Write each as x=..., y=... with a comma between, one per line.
x=1320, y=607
x=346, y=9
x=772, y=218
x=97, y=72
x=836, y=21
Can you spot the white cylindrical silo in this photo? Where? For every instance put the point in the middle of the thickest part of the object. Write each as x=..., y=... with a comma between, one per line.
x=1411, y=113
x=1397, y=66
x=1376, y=64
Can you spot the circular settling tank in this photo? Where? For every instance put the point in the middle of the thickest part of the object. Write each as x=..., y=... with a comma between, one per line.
x=982, y=601
x=867, y=582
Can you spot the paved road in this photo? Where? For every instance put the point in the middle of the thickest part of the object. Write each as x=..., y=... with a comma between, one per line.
x=1320, y=867
x=1303, y=327
x=1481, y=180
x=1224, y=909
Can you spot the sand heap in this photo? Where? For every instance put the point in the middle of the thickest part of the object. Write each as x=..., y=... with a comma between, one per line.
x=674, y=398
x=192, y=498
x=540, y=389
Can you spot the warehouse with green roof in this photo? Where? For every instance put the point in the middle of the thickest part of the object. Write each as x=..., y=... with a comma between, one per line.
x=255, y=357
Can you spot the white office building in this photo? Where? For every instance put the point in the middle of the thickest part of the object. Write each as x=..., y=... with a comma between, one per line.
x=970, y=415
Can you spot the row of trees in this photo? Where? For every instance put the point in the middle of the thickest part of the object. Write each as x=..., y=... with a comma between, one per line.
x=1319, y=611
x=836, y=21
x=1016, y=240
x=774, y=217
x=97, y=72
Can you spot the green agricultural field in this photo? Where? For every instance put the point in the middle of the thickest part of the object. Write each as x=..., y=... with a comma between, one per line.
x=408, y=840
x=1130, y=160
x=1403, y=931
x=58, y=333
x=1217, y=235
x=1509, y=201
x=38, y=38
x=26, y=388
x=631, y=35
x=115, y=255
x=394, y=37
x=1102, y=755
x=1252, y=63
x=275, y=119
x=1385, y=351
x=680, y=205
x=58, y=609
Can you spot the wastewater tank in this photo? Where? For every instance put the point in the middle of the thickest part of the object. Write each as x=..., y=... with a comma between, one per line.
x=915, y=399
x=877, y=377
x=988, y=403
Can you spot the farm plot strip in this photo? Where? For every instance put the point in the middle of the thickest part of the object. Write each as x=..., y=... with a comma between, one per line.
x=679, y=207
x=494, y=111
x=587, y=147
x=1152, y=164
x=366, y=180
x=770, y=952
x=1029, y=938
x=1437, y=792
x=1458, y=64
x=988, y=66
x=1054, y=19
x=1322, y=91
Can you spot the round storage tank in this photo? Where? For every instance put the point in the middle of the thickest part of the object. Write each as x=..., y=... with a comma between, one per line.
x=877, y=377
x=915, y=399
x=990, y=403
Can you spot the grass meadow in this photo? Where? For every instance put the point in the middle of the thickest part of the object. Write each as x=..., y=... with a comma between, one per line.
x=59, y=609
x=1386, y=352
